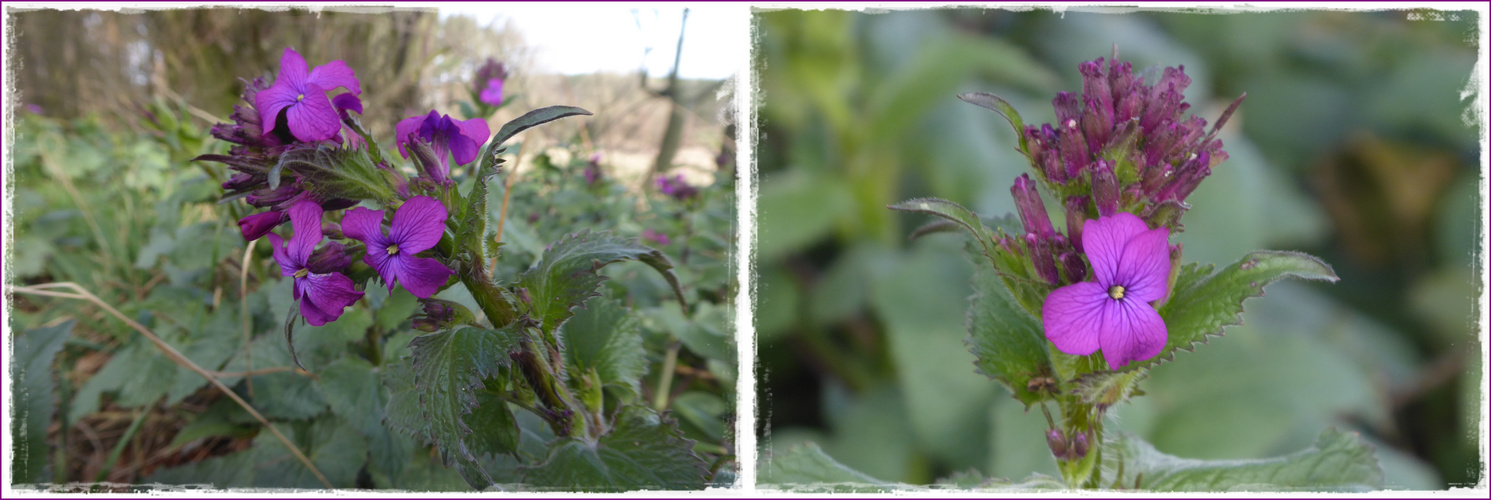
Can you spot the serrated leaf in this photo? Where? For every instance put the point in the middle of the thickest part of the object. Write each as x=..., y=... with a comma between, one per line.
x=1008, y=344
x=448, y=369
x=605, y=337
x=806, y=469
x=533, y=119
x=566, y=275
x=998, y=105
x=643, y=451
x=34, y=398
x=1201, y=305
x=1338, y=461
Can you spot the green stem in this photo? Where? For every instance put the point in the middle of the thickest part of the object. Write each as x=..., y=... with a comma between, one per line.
x=124, y=440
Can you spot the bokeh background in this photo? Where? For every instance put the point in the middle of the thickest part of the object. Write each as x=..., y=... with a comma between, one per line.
x=108, y=109
x=1353, y=145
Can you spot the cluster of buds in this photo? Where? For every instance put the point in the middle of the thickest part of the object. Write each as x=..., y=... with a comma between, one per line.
x=1123, y=146
x=1064, y=448
x=488, y=85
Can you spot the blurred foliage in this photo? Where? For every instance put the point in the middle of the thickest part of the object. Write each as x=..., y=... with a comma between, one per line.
x=1354, y=144
x=125, y=215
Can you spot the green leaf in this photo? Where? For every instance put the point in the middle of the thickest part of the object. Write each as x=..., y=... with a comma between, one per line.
x=395, y=309
x=221, y=472
x=806, y=469
x=1008, y=344
x=449, y=367
x=1338, y=461
x=705, y=411
x=494, y=430
x=566, y=276
x=35, y=398
x=952, y=212
x=605, y=337
x=335, y=448
x=998, y=105
x=533, y=119
x=354, y=393
x=1202, y=304
x=643, y=451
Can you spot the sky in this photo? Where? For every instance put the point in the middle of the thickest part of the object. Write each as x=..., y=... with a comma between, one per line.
x=576, y=39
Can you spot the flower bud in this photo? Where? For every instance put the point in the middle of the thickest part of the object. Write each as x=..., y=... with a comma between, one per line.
x=1032, y=210
x=1105, y=188
x=1079, y=446
x=431, y=168
x=1076, y=270
x=331, y=229
x=330, y=258
x=1058, y=444
x=256, y=226
x=1040, y=255
x=1076, y=215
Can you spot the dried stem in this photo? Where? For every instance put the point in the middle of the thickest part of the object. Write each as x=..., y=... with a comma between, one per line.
x=248, y=365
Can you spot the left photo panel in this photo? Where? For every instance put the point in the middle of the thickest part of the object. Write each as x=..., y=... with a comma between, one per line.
x=478, y=248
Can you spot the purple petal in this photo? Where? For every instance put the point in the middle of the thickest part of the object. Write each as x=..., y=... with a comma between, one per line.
x=346, y=102
x=287, y=265
x=1131, y=331
x=404, y=129
x=418, y=225
x=313, y=118
x=256, y=226
x=1104, y=239
x=292, y=68
x=377, y=257
x=1073, y=317
x=475, y=133
x=305, y=219
x=421, y=276
x=492, y=95
x=1144, y=266
x=364, y=225
x=334, y=74
x=326, y=295
x=272, y=100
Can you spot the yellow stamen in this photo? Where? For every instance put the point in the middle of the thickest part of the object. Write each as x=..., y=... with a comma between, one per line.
x=302, y=273
x=1116, y=292
x=393, y=249
x=300, y=97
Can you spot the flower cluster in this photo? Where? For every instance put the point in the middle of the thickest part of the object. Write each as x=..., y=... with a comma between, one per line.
x=300, y=152
x=1122, y=157
x=675, y=186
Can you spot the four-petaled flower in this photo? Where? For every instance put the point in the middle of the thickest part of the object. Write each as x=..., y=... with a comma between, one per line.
x=301, y=94
x=1131, y=265
x=322, y=292
x=417, y=226
x=446, y=137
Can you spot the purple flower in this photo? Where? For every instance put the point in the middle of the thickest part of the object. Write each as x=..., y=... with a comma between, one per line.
x=417, y=226
x=322, y=296
x=302, y=96
x=1131, y=264
x=492, y=94
x=446, y=138
x=654, y=236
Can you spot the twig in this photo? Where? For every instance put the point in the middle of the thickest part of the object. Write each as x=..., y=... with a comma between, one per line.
x=175, y=356
x=248, y=364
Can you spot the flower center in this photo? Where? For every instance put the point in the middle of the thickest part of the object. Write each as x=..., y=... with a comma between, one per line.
x=393, y=249
x=300, y=97
x=1116, y=292
x=302, y=273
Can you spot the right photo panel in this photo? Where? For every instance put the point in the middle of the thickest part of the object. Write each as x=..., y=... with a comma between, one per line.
x=1157, y=251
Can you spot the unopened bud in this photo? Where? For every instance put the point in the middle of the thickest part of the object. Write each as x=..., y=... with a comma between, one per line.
x=1032, y=210
x=1105, y=188
x=1057, y=442
x=1076, y=216
x=1040, y=255
x=329, y=259
x=1079, y=446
